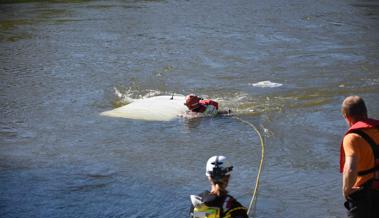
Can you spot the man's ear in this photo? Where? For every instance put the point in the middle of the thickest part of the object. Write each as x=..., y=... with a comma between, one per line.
x=349, y=120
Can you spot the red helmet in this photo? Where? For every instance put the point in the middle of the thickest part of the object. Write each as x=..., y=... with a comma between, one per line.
x=192, y=101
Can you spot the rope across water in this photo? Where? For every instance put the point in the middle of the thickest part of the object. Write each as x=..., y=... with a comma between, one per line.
x=254, y=197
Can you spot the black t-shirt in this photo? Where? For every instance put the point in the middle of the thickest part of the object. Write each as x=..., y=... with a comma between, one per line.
x=232, y=206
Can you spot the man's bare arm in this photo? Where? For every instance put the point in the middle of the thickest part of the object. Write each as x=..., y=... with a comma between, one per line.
x=349, y=175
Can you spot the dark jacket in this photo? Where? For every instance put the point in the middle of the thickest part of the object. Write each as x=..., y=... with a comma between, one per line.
x=228, y=206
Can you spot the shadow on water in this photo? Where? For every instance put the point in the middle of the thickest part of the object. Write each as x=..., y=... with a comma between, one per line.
x=65, y=1
x=49, y=1
x=87, y=187
x=7, y=28
x=14, y=28
x=371, y=8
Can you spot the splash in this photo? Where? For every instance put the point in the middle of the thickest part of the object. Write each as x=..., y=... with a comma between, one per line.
x=123, y=97
x=127, y=96
x=193, y=115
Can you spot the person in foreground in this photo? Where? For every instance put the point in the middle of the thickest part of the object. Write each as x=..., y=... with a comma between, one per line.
x=359, y=160
x=217, y=203
x=206, y=106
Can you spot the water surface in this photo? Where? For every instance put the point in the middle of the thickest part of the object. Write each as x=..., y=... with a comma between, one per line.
x=60, y=62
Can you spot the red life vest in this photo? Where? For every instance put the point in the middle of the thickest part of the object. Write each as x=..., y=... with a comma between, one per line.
x=209, y=102
x=204, y=104
x=366, y=124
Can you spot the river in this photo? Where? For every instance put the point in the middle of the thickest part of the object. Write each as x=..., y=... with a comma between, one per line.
x=61, y=60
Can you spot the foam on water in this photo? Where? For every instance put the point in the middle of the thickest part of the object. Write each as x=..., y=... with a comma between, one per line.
x=266, y=84
x=130, y=95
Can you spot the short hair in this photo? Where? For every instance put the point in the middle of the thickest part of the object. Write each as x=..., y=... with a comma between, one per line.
x=354, y=107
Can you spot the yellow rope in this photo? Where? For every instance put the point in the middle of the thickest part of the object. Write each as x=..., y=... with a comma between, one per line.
x=254, y=197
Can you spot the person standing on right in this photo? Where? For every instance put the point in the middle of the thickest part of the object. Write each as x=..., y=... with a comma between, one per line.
x=359, y=160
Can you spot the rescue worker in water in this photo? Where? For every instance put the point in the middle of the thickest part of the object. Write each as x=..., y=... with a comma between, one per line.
x=359, y=160
x=206, y=106
x=217, y=203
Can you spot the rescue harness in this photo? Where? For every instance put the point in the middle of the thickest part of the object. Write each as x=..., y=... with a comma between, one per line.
x=375, y=151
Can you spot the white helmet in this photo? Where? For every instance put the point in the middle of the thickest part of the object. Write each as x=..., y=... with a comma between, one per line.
x=218, y=167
